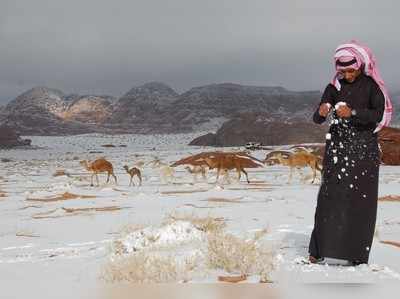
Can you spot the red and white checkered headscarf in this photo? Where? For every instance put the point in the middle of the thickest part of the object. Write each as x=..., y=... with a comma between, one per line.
x=354, y=55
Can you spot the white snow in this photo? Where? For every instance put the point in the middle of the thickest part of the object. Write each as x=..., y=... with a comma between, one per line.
x=52, y=245
x=172, y=234
x=337, y=106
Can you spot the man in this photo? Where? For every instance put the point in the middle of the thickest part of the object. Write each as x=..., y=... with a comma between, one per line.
x=346, y=209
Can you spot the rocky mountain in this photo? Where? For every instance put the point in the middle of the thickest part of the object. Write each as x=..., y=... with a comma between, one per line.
x=89, y=109
x=257, y=127
x=201, y=107
x=3, y=114
x=45, y=111
x=395, y=97
x=157, y=108
x=143, y=109
x=9, y=138
x=153, y=108
x=38, y=99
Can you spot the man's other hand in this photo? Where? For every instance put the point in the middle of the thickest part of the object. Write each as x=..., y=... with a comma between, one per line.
x=324, y=109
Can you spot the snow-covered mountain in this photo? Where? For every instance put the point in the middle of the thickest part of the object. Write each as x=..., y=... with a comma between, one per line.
x=46, y=111
x=89, y=109
x=200, y=105
x=142, y=109
x=152, y=108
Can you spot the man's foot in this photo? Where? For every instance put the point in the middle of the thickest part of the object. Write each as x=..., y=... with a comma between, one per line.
x=356, y=263
x=315, y=260
x=309, y=260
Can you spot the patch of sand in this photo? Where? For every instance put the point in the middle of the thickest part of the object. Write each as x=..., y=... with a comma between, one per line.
x=26, y=234
x=176, y=192
x=75, y=211
x=45, y=214
x=197, y=207
x=30, y=206
x=253, y=188
x=61, y=197
x=390, y=198
x=60, y=172
x=232, y=279
x=221, y=199
x=100, y=209
x=393, y=243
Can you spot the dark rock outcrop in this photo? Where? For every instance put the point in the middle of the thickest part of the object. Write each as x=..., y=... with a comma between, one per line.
x=9, y=138
x=208, y=139
x=389, y=141
x=257, y=128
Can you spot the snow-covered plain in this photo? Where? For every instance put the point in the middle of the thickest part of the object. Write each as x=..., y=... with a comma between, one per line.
x=48, y=244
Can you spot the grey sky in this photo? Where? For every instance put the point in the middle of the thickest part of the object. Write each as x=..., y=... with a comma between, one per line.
x=109, y=46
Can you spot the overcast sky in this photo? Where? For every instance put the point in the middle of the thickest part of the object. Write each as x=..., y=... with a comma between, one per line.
x=110, y=46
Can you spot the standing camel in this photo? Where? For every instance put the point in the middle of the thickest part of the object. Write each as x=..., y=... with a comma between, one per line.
x=166, y=172
x=223, y=161
x=298, y=160
x=98, y=166
x=233, y=161
x=196, y=170
x=132, y=172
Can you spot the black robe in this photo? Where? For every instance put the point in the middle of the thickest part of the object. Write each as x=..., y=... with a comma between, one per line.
x=346, y=209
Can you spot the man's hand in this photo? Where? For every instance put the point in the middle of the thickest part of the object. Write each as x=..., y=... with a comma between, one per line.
x=324, y=109
x=343, y=111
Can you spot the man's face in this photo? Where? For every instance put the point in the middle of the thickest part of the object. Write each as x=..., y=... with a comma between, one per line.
x=350, y=74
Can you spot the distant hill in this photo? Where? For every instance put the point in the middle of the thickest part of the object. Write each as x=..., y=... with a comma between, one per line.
x=151, y=108
x=46, y=111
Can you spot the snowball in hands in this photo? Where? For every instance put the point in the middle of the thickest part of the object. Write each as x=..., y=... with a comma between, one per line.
x=337, y=106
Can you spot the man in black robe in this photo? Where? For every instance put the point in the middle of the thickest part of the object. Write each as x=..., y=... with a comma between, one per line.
x=346, y=209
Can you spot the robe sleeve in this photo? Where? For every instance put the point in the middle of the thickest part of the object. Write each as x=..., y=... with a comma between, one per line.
x=376, y=108
x=329, y=96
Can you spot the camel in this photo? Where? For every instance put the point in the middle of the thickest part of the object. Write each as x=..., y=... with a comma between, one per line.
x=318, y=150
x=140, y=163
x=198, y=159
x=156, y=162
x=222, y=161
x=196, y=170
x=233, y=161
x=270, y=157
x=166, y=172
x=300, y=159
x=132, y=172
x=98, y=166
x=299, y=149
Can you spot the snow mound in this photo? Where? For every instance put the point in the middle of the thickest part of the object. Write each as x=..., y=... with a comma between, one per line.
x=176, y=233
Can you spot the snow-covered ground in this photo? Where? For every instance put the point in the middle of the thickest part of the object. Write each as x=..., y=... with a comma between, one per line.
x=50, y=243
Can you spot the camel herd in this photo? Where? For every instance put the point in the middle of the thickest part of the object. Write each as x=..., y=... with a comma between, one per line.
x=298, y=157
